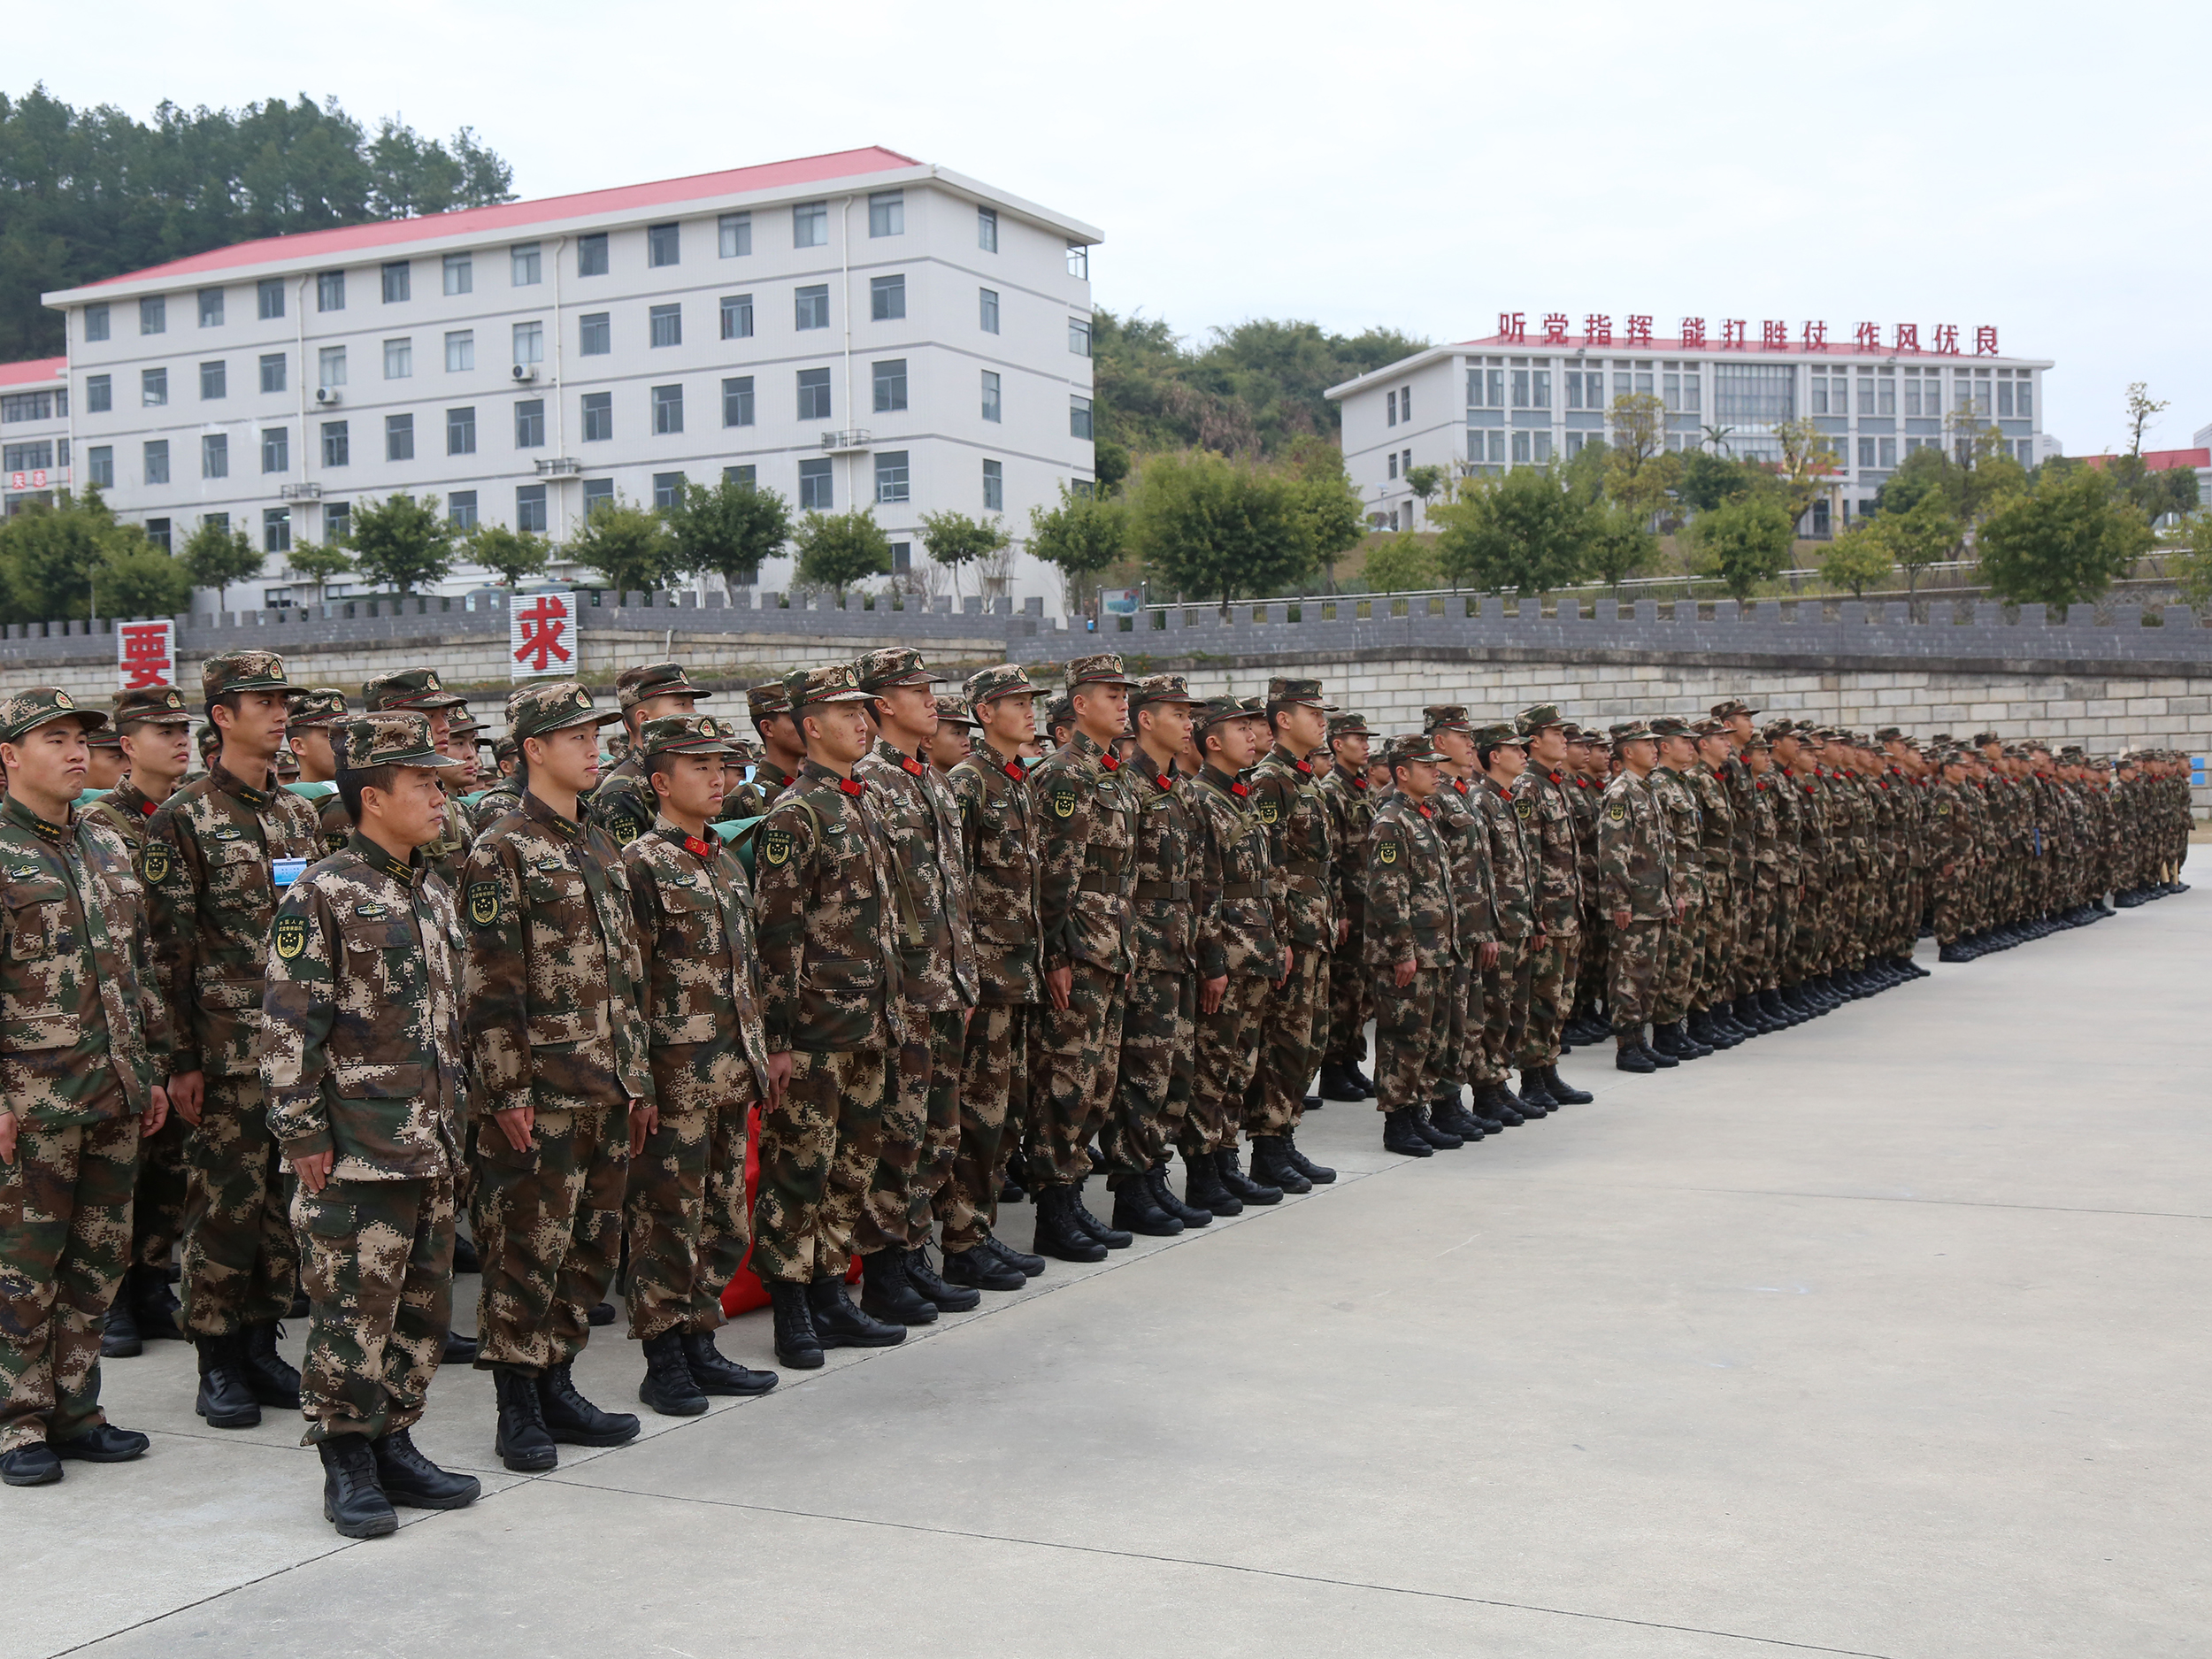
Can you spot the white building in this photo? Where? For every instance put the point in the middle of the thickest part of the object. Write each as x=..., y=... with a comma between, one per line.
x=1529, y=394
x=34, y=431
x=851, y=329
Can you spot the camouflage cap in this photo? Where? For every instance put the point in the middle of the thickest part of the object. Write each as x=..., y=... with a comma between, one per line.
x=552, y=706
x=1732, y=707
x=1104, y=669
x=22, y=712
x=210, y=739
x=952, y=712
x=1889, y=733
x=1941, y=738
x=108, y=737
x=242, y=671
x=505, y=748
x=837, y=683
x=1414, y=745
x=1710, y=728
x=1669, y=726
x=683, y=734
x=1496, y=733
x=1256, y=707
x=633, y=686
x=1348, y=726
x=1537, y=717
x=1775, y=730
x=1214, y=711
x=1004, y=680
x=763, y=702
x=894, y=665
x=151, y=705
x=393, y=738
x=1445, y=716
x=417, y=688
x=1162, y=688
x=1305, y=693
x=315, y=705
x=464, y=724
x=1983, y=740
x=1630, y=732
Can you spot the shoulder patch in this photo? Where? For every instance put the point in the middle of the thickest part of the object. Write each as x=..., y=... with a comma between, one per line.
x=1522, y=809
x=1267, y=810
x=1387, y=852
x=776, y=844
x=1063, y=802
x=157, y=863
x=623, y=826
x=483, y=902
x=291, y=936
x=1618, y=813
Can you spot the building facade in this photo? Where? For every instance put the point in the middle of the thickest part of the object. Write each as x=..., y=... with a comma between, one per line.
x=1528, y=395
x=852, y=330
x=34, y=431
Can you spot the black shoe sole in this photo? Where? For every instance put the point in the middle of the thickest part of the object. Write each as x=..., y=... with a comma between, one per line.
x=234, y=1420
x=1421, y=1150
x=1081, y=1259
x=61, y=1449
x=419, y=1500
x=806, y=1359
x=381, y=1526
x=877, y=1310
x=44, y=1477
x=1012, y=1280
x=525, y=1462
x=681, y=1409
x=890, y=1340
x=122, y=1350
x=731, y=1391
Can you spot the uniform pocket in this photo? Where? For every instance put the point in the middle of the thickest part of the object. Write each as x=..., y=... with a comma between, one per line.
x=684, y=1028
x=842, y=973
x=582, y=1026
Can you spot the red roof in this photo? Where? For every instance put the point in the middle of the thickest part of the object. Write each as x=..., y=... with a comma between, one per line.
x=349, y=238
x=2161, y=460
x=32, y=370
x=1618, y=343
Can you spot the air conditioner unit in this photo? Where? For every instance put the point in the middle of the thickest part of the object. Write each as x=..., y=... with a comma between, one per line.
x=526, y=372
x=326, y=396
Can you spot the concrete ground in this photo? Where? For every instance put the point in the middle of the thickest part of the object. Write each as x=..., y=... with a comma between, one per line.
x=1882, y=1336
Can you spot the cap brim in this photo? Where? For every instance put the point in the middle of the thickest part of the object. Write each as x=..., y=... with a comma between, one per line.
x=430, y=702
x=429, y=759
x=94, y=720
x=841, y=696
x=919, y=677
x=590, y=716
x=1183, y=697
x=1101, y=680
x=693, y=746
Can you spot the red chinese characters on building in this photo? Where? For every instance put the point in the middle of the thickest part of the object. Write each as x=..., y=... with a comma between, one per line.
x=1555, y=328
x=145, y=654
x=1774, y=333
x=1905, y=337
x=1867, y=336
x=1816, y=336
x=1947, y=339
x=536, y=632
x=1986, y=341
x=1597, y=331
x=1513, y=328
x=1731, y=330
x=1638, y=329
x=1693, y=331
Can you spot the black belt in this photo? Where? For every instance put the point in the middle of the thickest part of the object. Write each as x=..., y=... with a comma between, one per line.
x=1163, y=889
x=1245, y=890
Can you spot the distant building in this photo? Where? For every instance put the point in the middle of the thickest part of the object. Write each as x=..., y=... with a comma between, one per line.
x=34, y=431
x=2198, y=460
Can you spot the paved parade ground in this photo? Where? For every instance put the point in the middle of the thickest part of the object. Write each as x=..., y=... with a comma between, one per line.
x=1885, y=1335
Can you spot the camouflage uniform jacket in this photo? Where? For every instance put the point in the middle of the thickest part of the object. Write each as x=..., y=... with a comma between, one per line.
x=1717, y=820
x=1582, y=795
x=83, y=1023
x=1767, y=852
x=125, y=810
x=1243, y=919
x=1286, y=799
x=1350, y=804
x=1951, y=831
x=1411, y=910
x=331, y=817
x=624, y=805
x=1679, y=802
x=1550, y=796
x=495, y=803
x=1636, y=852
x=363, y=1051
x=1789, y=829
x=1162, y=926
x=216, y=853
x=921, y=823
x=693, y=906
x=1089, y=826
x=1515, y=861
x=1468, y=843
x=827, y=907
x=555, y=978
x=744, y=802
x=998, y=841
x=1738, y=784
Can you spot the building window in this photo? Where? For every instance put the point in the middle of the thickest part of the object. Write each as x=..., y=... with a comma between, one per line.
x=891, y=475
x=337, y=521
x=460, y=510
x=1080, y=336
x=994, y=487
x=2004, y=398
x=153, y=387
x=460, y=431
x=399, y=359
x=812, y=306
x=530, y=508
x=599, y=416
x=598, y=491
x=1391, y=465
x=1520, y=449
x=530, y=424
x=668, y=408
x=524, y=265
x=593, y=336
x=991, y=405
x=737, y=401
x=460, y=274
x=215, y=455
x=269, y=292
x=814, y=395
x=330, y=290
x=1912, y=396
x=276, y=529
x=890, y=379
x=668, y=488
x=901, y=557
x=399, y=437
x=1486, y=388
x=1078, y=262
x=337, y=448
x=737, y=316
x=28, y=457
x=211, y=308
x=157, y=532
x=2024, y=398
x=1390, y=403
x=887, y=213
x=1889, y=452
x=987, y=302
x=814, y=486
x=664, y=245
x=736, y=234
x=886, y=298
x=399, y=281
x=99, y=462
x=214, y=380
x=99, y=394
x=95, y=320
x=330, y=366
x=1866, y=454
x=37, y=405
x=809, y=225
x=591, y=255
x=667, y=325
x=1761, y=392
x=272, y=372
x=153, y=315
x=276, y=449
x=986, y=229
x=1079, y=418
x=529, y=341
x=741, y=475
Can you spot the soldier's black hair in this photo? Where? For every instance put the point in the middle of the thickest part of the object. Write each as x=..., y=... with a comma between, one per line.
x=1483, y=751
x=353, y=779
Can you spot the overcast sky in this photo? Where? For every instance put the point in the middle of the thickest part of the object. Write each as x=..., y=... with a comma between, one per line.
x=2037, y=167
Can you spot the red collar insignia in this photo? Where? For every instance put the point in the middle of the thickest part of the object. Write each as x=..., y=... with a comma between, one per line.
x=1428, y=810
x=1305, y=766
x=146, y=808
x=1013, y=770
x=1359, y=783
x=1166, y=781
x=1553, y=776
x=910, y=766
x=1109, y=762
x=852, y=785
x=1240, y=788
x=697, y=848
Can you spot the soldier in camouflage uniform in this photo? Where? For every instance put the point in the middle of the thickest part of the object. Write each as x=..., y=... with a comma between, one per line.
x=1551, y=797
x=105, y=764
x=1515, y=858
x=684, y=1206
x=1586, y=776
x=1350, y=805
x=832, y=952
x=362, y=1062
x=219, y=855
x=1409, y=939
x=1459, y=821
x=955, y=735
x=556, y=1020
x=1636, y=856
x=420, y=691
x=622, y=804
x=1718, y=945
x=80, y=1044
x=782, y=748
x=502, y=797
x=309, y=716
x=1683, y=963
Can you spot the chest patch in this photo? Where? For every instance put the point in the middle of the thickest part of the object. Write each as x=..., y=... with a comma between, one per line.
x=291, y=936
x=1267, y=813
x=1522, y=811
x=624, y=827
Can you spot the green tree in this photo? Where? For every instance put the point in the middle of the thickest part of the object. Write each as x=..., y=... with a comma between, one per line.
x=953, y=538
x=1808, y=467
x=2193, y=563
x=217, y=557
x=1402, y=564
x=730, y=529
x=2142, y=410
x=837, y=550
x=1617, y=543
x=1331, y=507
x=1856, y=558
x=1524, y=530
x=1707, y=479
x=402, y=542
x=513, y=556
x=319, y=562
x=1744, y=541
x=137, y=579
x=60, y=561
x=2063, y=542
x=1924, y=533
x=1925, y=471
x=1080, y=537
x=629, y=545
x=1208, y=526
x=1639, y=471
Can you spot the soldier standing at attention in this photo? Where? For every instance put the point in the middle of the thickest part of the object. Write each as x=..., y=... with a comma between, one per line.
x=1089, y=829
x=557, y=1033
x=782, y=748
x=709, y=1052
x=955, y=735
x=1448, y=1122
x=105, y=764
x=1636, y=876
x=154, y=728
x=362, y=1062
x=221, y=854
x=1551, y=797
x=1350, y=805
x=1679, y=968
x=78, y=1064
x=831, y=944
x=1411, y=940
x=998, y=835
x=1720, y=950
x=1516, y=873
x=309, y=715
x=623, y=804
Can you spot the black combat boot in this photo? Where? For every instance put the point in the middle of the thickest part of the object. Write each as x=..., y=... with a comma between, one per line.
x=923, y=1276
x=886, y=1294
x=1494, y=1104
x=1112, y=1238
x=1696, y=1031
x=838, y=1324
x=225, y=1400
x=1629, y=1055
x=1447, y=1113
x=797, y=1345
x=1442, y=1140
x=118, y=1334
x=31, y=1464
x=1558, y=1089
x=352, y=1501
x=1163, y=1195
x=717, y=1373
x=1338, y=1084
x=1027, y=1265
x=573, y=1420
x=1136, y=1210
x=668, y=1387
x=1203, y=1189
x=1319, y=1174
x=979, y=1269
x=1057, y=1234
x=1358, y=1072
x=1536, y=1101
x=1270, y=1168
x=523, y=1442
x=458, y=1350
x=466, y=1260
x=412, y=1480
x=1401, y=1136
x=1234, y=1179
x=272, y=1378
x=1663, y=1061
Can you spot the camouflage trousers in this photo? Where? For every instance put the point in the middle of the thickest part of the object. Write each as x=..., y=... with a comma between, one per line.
x=1715, y=942
x=1758, y=930
x=1953, y=905
x=1631, y=989
x=547, y=1225
x=794, y=1241
x=376, y=1260
x=241, y=1262
x=1071, y=1071
x=1551, y=994
x=993, y=1110
x=1504, y=1008
x=1225, y=1054
x=1680, y=960
x=1152, y=1086
x=65, y=1240
x=920, y=1135
x=1351, y=1003
x=1413, y=1035
x=1464, y=1061
x=683, y=1212
x=1590, y=970
x=1294, y=1030
x=868, y=1201
x=157, y=1211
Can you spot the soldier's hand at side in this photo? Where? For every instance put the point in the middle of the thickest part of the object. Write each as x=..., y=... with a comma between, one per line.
x=1343, y=929
x=1681, y=909
x=645, y=1117
x=1620, y=920
x=1210, y=993
x=7, y=1137
x=1060, y=984
x=516, y=1125
x=1403, y=972
x=187, y=1093
x=1289, y=965
x=1488, y=954
x=314, y=1169
x=156, y=1112
x=779, y=1077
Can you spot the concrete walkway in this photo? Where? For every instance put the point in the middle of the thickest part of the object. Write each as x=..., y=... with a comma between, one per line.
x=1883, y=1336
